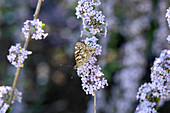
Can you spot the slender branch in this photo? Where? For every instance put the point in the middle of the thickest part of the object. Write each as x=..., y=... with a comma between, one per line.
x=95, y=101
x=14, y=85
x=38, y=9
x=25, y=47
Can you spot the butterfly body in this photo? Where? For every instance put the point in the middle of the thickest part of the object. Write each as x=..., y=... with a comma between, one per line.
x=83, y=53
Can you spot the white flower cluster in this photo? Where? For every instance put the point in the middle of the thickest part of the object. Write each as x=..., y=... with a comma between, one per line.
x=35, y=29
x=159, y=88
x=17, y=55
x=168, y=16
x=5, y=92
x=93, y=21
x=91, y=75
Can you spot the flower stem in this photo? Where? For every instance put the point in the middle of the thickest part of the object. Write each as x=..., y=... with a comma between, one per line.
x=25, y=47
x=95, y=101
x=157, y=104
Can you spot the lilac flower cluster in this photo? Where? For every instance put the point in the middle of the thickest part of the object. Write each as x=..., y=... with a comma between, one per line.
x=159, y=88
x=5, y=92
x=17, y=55
x=35, y=29
x=91, y=75
x=93, y=21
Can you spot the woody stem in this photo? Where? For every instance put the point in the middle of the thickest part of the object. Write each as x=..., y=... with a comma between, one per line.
x=25, y=47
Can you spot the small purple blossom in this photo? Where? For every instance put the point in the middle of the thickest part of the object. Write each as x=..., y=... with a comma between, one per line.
x=35, y=29
x=17, y=55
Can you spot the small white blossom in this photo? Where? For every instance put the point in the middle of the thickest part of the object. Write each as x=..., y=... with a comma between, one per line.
x=17, y=55
x=34, y=28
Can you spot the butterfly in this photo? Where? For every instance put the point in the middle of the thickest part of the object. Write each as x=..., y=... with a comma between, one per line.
x=83, y=53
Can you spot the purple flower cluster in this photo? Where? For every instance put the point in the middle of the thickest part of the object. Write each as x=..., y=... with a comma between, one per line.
x=5, y=92
x=91, y=75
x=159, y=87
x=168, y=16
x=35, y=29
x=93, y=21
x=149, y=94
x=17, y=55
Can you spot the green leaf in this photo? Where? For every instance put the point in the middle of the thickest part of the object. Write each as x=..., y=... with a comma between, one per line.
x=87, y=29
x=9, y=110
x=156, y=99
x=43, y=25
x=97, y=42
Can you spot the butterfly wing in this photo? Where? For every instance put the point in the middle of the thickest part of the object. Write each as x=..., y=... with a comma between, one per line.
x=83, y=54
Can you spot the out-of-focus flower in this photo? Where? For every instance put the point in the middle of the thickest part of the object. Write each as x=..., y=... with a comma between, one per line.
x=168, y=16
x=5, y=92
x=35, y=29
x=17, y=55
x=168, y=38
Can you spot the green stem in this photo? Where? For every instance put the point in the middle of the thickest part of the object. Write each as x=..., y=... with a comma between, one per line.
x=157, y=104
